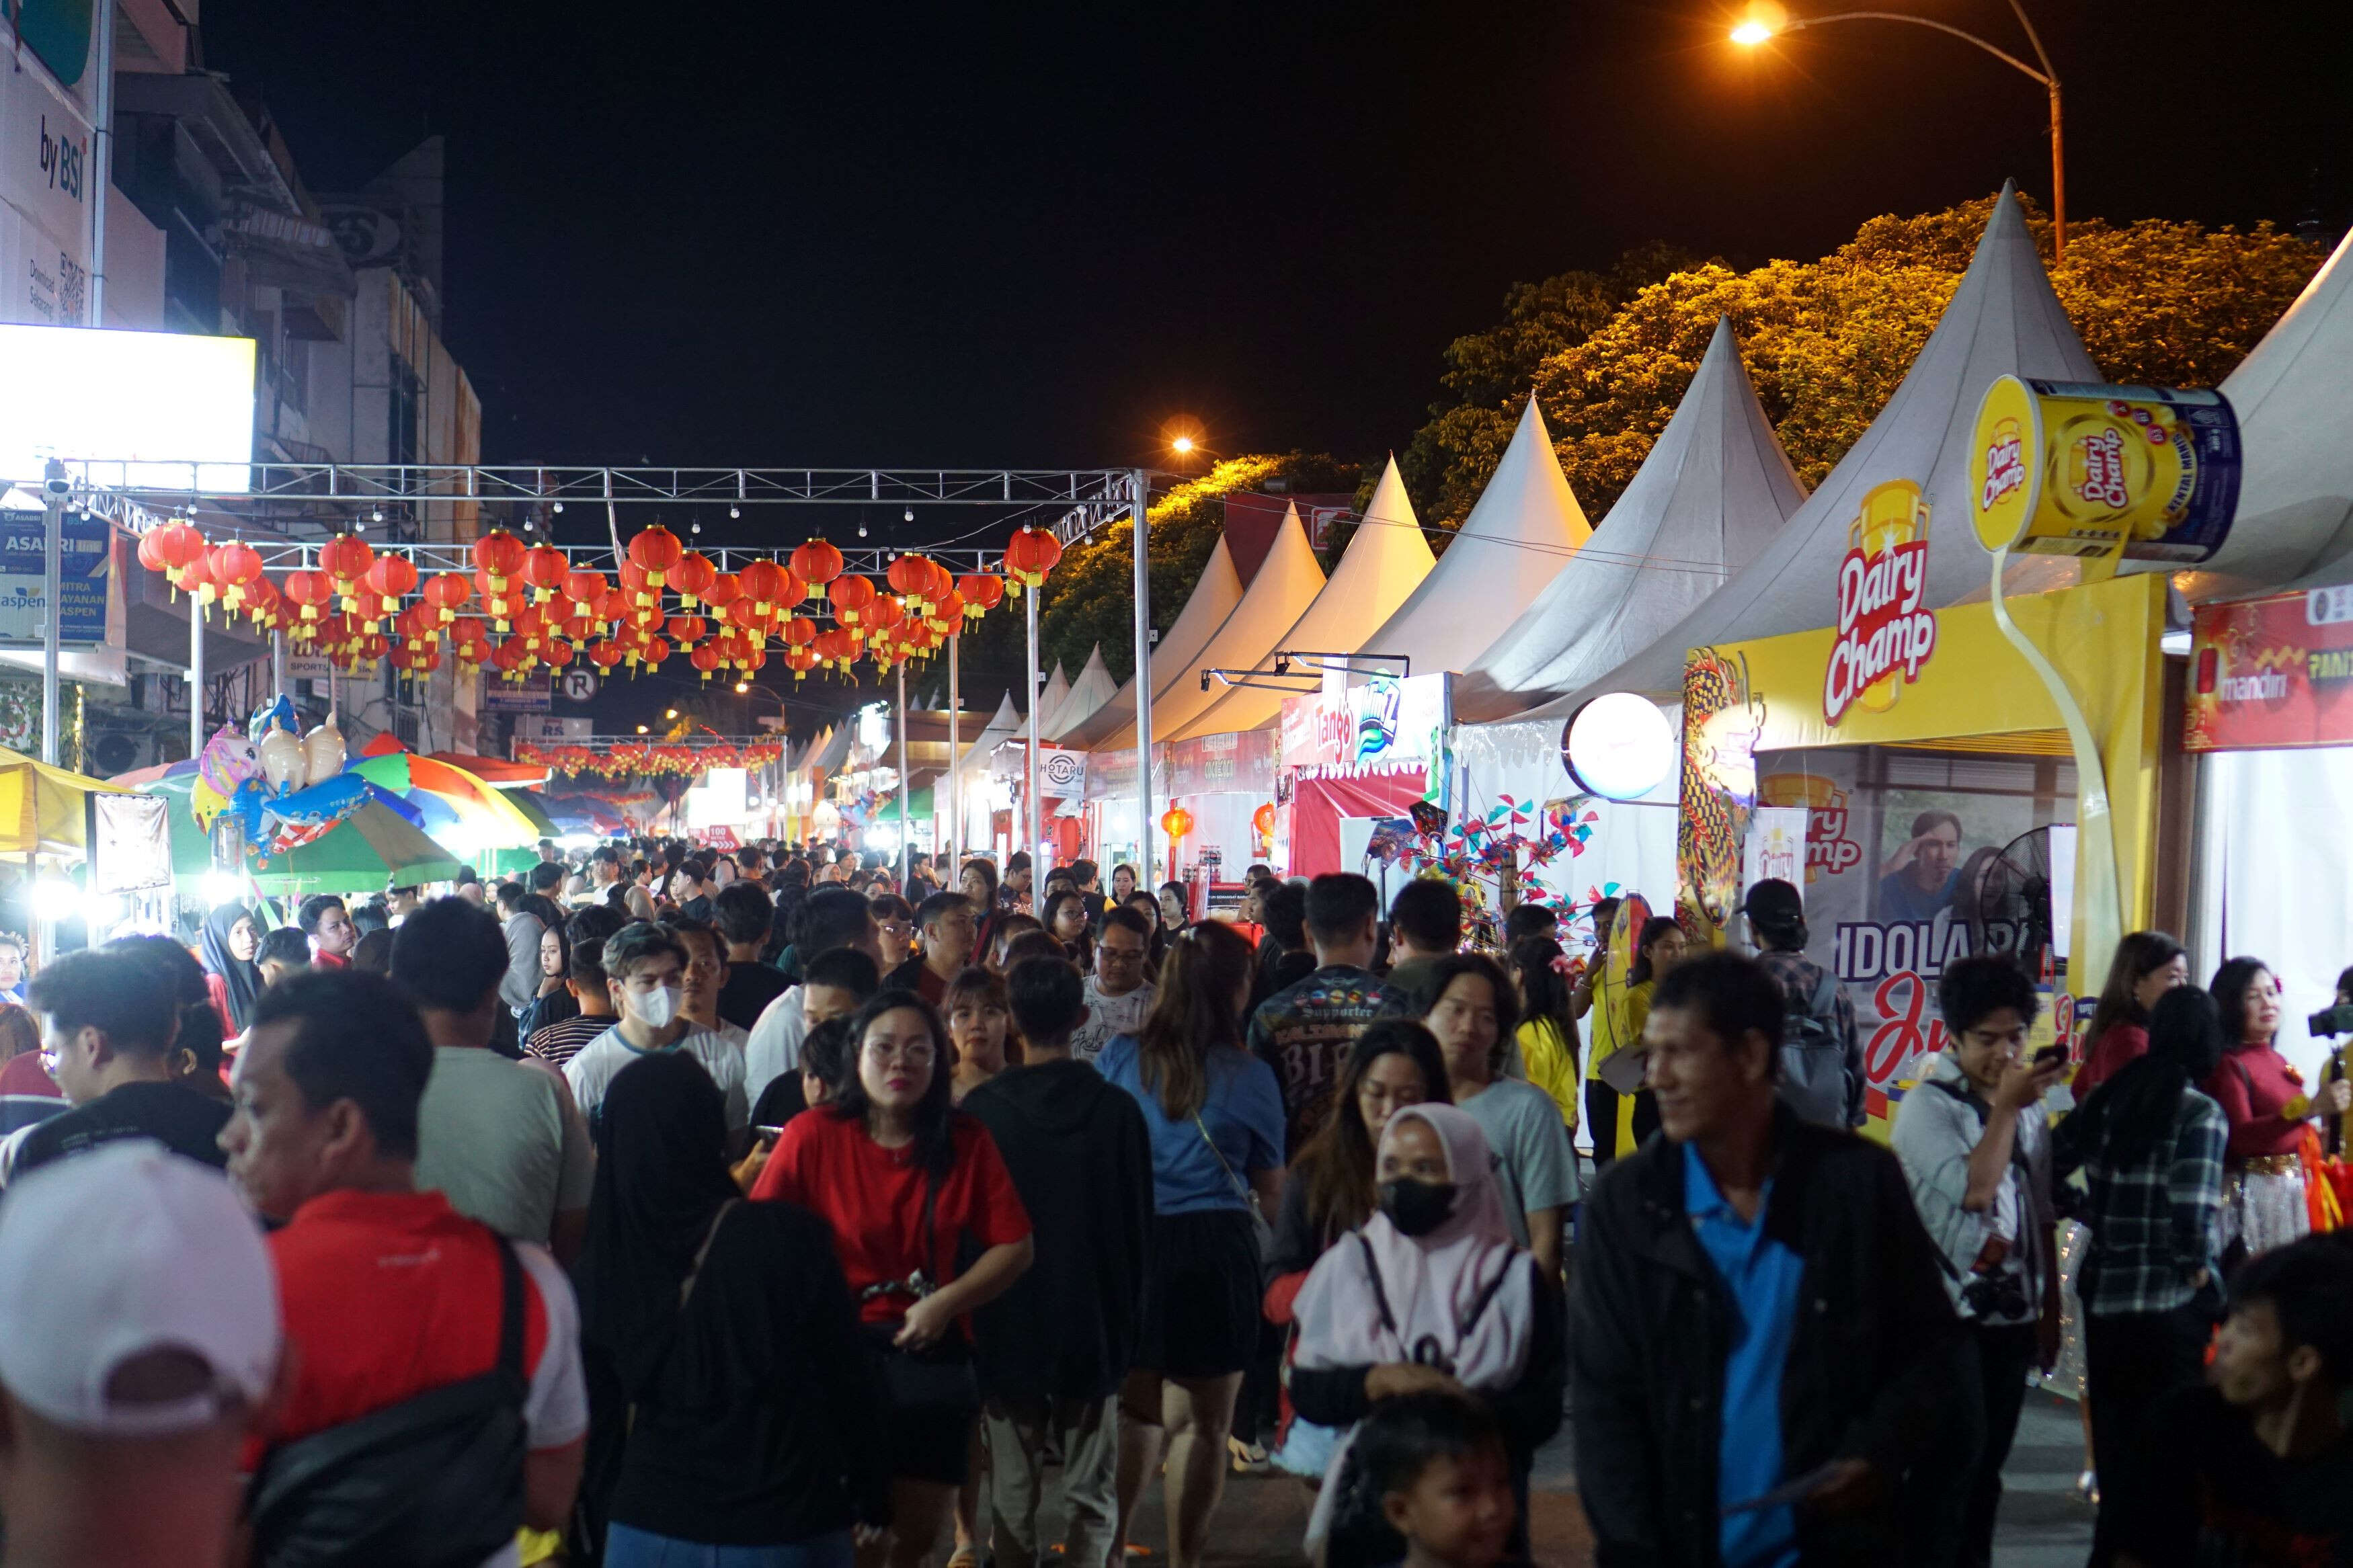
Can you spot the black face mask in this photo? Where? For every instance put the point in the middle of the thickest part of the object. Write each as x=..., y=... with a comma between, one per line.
x=1416, y=1208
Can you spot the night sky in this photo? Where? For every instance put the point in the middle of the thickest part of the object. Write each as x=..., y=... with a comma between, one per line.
x=858, y=234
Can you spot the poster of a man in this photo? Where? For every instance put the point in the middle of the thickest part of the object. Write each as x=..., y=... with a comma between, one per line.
x=1919, y=880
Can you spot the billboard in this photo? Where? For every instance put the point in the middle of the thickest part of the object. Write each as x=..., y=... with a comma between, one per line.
x=160, y=410
x=2272, y=672
x=82, y=579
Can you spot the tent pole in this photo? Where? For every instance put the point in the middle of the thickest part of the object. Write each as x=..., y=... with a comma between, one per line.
x=1139, y=500
x=1037, y=846
x=196, y=676
x=53, y=545
x=950, y=875
x=906, y=781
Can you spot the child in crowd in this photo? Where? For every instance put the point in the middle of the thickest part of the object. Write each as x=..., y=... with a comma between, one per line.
x=1427, y=1477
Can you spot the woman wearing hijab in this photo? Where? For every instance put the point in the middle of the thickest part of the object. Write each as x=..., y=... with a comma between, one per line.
x=734, y=1411
x=1429, y=1293
x=227, y=945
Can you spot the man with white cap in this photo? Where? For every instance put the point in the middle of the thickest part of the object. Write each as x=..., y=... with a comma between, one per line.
x=142, y=1348
x=461, y=1349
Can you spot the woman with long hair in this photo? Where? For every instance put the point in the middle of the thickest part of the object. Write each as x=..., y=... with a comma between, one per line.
x=2151, y=1145
x=1176, y=904
x=1143, y=901
x=1659, y=946
x=1068, y=920
x=1428, y=1292
x=2264, y=1098
x=2147, y=964
x=980, y=1025
x=1541, y=972
x=976, y=880
x=227, y=946
x=1124, y=884
x=905, y=1181
x=1333, y=1186
x=554, y=1002
x=734, y=1411
x=1215, y=1115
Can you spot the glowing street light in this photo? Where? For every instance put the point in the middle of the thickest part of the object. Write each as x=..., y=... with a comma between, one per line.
x=641, y=730
x=1182, y=445
x=1767, y=19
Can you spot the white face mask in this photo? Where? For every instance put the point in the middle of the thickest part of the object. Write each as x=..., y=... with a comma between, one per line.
x=657, y=1007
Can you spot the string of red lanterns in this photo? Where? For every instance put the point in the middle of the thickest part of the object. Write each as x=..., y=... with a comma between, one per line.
x=526, y=607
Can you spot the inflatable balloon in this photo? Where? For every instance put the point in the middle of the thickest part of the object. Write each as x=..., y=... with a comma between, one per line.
x=323, y=748
x=282, y=766
x=229, y=763
x=273, y=716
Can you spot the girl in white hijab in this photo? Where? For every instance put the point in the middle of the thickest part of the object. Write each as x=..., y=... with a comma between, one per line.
x=1428, y=1293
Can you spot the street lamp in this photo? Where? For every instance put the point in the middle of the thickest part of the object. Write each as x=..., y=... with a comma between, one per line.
x=1767, y=20
x=1182, y=445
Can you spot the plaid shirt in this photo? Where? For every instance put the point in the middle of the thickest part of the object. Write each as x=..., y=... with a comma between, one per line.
x=2155, y=1221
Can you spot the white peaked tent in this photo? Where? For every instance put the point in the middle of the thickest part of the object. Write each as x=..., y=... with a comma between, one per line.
x=1521, y=530
x=1215, y=593
x=1092, y=688
x=1005, y=725
x=1288, y=582
x=1049, y=700
x=1715, y=488
x=2003, y=320
x=1384, y=561
x=2294, y=396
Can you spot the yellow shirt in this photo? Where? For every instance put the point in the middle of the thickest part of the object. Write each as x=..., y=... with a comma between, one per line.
x=1612, y=1029
x=1551, y=1064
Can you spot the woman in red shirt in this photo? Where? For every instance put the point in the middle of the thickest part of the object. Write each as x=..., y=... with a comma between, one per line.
x=2264, y=1098
x=903, y=1178
x=2148, y=963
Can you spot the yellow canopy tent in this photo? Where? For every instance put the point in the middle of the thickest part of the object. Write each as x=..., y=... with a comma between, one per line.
x=41, y=810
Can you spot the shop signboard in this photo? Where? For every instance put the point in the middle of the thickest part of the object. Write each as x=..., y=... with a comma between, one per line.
x=2149, y=473
x=2275, y=672
x=529, y=695
x=45, y=185
x=1240, y=763
x=1061, y=773
x=87, y=555
x=1885, y=629
x=1386, y=723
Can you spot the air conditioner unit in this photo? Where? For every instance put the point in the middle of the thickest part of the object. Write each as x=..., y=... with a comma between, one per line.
x=119, y=749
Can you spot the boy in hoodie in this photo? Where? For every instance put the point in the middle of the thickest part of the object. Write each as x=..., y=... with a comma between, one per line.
x=1052, y=1351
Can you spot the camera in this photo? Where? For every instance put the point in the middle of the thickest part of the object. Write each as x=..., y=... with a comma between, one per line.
x=2330, y=1021
x=1996, y=1295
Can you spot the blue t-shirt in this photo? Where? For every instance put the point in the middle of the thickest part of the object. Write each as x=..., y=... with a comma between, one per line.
x=1763, y=1277
x=1901, y=899
x=1243, y=1112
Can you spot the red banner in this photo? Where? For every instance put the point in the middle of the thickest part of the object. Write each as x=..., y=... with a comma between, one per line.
x=2271, y=673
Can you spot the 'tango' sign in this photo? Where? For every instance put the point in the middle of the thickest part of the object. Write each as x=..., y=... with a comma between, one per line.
x=1885, y=631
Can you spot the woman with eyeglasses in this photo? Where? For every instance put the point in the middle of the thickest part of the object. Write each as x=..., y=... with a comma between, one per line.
x=894, y=928
x=904, y=1180
x=1214, y=1112
x=1073, y=927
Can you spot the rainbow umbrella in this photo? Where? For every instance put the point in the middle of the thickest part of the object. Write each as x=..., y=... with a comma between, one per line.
x=456, y=808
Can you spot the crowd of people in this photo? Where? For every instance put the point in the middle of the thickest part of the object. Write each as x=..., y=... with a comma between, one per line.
x=782, y=1208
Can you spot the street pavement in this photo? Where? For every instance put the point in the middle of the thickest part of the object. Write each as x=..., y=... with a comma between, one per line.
x=2044, y=1524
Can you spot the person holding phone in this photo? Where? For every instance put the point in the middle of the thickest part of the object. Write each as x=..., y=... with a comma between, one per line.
x=1975, y=1149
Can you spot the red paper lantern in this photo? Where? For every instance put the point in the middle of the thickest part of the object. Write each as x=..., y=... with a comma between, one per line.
x=545, y=567
x=705, y=659
x=1177, y=821
x=688, y=630
x=693, y=573
x=500, y=598
x=655, y=551
x=1032, y=553
x=982, y=590
x=308, y=590
x=472, y=640
x=230, y=567
x=801, y=660
x=584, y=587
x=947, y=611
x=388, y=577
x=763, y=581
x=556, y=652
x=605, y=654
x=1264, y=820
x=881, y=617
x=178, y=545
x=346, y=558
x=816, y=562
x=850, y=594
x=445, y=590
x=798, y=631
x=911, y=577
x=724, y=590
x=499, y=555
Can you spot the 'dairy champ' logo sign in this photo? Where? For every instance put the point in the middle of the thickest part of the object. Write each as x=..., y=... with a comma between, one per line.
x=1885, y=631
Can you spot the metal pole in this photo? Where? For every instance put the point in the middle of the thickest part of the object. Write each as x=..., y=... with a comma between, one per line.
x=1036, y=847
x=1139, y=499
x=906, y=780
x=278, y=663
x=101, y=161
x=953, y=872
x=195, y=677
x=53, y=544
x=2058, y=182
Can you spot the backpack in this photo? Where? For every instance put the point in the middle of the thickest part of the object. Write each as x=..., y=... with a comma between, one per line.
x=435, y=1481
x=1813, y=1058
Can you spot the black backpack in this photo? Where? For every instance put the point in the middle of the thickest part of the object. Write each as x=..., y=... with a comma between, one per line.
x=1813, y=1058
x=435, y=1481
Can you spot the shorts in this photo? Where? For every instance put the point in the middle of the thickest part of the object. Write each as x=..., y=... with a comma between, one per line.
x=1201, y=1298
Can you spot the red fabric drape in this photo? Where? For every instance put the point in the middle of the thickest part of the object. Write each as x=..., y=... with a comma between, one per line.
x=1318, y=805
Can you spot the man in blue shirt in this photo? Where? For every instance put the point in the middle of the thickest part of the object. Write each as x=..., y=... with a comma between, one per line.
x=1920, y=878
x=1760, y=1338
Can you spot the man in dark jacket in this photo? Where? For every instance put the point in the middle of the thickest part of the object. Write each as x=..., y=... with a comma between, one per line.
x=1760, y=1341
x=1052, y=1351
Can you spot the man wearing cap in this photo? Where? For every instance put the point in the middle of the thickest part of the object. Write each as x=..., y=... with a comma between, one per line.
x=1823, y=1077
x=388, y=1292
x=142, y=1350
x=107, y=1023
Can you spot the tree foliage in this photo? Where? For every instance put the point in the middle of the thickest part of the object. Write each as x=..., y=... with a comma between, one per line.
x=1827, y=341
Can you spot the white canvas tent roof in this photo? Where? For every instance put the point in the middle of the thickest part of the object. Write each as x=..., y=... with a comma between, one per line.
x=1004, y=725
x=1715, y=488
x=1092, y=688
x=2003, y=320
x=1288, y=582
x=1385, y=560
x=1215, y=593
x=2294, y=396
x=1049, y=701
x=1521, y=529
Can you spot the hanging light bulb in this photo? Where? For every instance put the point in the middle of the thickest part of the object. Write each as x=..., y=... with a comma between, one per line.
x=734, y=511
x=559, y=506
x=697, y=528
x=376, y=516
x=862, y=527
x=910, y=514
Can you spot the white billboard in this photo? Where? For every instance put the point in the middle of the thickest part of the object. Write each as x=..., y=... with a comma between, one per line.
x=154, y=410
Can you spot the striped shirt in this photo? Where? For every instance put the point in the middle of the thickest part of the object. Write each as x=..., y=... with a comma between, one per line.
x=561, y=1041
x=2156, y=1219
